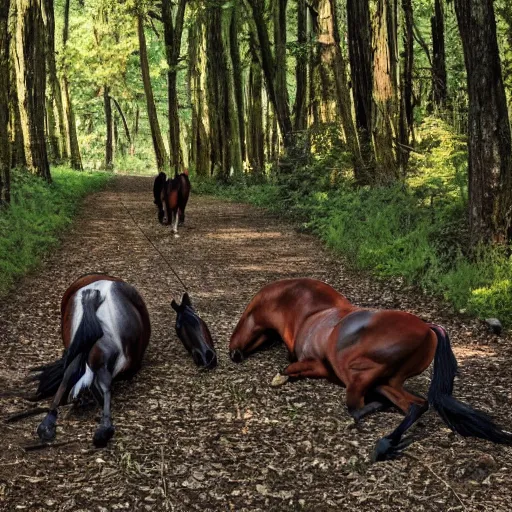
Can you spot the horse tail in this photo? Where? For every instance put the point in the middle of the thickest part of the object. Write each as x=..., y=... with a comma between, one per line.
x=460, y=417
x=157, y=186
x=89, y=331
x=49, y=377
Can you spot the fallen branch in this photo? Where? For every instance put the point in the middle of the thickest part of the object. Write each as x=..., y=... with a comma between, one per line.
x=25, y=414
x=438, y=477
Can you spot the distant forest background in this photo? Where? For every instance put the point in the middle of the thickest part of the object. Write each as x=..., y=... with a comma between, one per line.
x=382, y=124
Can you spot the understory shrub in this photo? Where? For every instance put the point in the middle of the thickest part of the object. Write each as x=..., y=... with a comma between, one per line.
x=416, y=229
x=39, y=212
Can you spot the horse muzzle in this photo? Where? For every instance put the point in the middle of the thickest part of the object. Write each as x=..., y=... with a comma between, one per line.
x=237, y=356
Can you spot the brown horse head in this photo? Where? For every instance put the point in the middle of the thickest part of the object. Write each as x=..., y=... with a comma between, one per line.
x=194, y=333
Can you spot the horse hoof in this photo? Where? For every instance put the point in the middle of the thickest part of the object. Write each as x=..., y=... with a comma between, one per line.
x=46, y=432
x=236, y=356
x=102, y=436
x=279, y=380
x=385, y=449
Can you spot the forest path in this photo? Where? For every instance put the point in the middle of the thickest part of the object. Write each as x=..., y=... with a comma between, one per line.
x=225, y=440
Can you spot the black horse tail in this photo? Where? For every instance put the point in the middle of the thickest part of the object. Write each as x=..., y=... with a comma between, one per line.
x=157, y=186
x=460, y=417
x=89, y=331
x=49, y=377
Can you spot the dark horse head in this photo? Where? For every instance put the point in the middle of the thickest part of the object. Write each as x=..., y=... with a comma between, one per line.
x=194, y=334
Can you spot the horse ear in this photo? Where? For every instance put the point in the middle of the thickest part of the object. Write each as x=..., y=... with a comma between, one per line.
x=174, y=305
x=185, y=300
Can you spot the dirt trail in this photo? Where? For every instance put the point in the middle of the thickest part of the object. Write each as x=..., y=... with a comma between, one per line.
x=226, y=440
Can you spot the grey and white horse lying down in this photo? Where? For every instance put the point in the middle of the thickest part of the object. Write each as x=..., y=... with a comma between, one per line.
x=105, y=329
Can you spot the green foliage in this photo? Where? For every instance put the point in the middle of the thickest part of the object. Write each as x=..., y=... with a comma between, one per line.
x=415, y=230
x=38, y=213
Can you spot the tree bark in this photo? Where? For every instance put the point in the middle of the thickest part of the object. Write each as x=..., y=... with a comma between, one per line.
x=385, y=104
x=200, y=137
x=344, y=102
x=109, y=149
x=73, y=148
x=54, y=100
x=172, y=35
x=156, y=135
x=489, y=144
x=5, y=150
x=406, y=100
x=123, y=120
x=31, y=84
x=276, y=89
x=439, y=87
x=237, y=79
x=301, y=69
x=361, y=72
x=255, y=135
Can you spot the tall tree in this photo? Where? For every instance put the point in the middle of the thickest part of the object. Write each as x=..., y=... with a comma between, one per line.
x=439, y=87
x=158, y=142
x=275, y=80
x=73, y=148
x=200, y=136
x=385, y=99
x=5, y=150
x=361, y=72
x=490, y=161
x=255, y=131
x=109, y=139
x=54, y=96
x=31, y=84
x=344, y=102
x=173, y=30
x=406, y=122
x=301, y=68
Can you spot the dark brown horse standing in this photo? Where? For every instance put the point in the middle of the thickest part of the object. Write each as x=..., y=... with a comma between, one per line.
x=172, y=198
x=370, y=352
x=105, y=329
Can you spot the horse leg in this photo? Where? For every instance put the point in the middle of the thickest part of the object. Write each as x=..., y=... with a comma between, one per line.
x=105, y=431
x=165, y=210
x=307, y=368
x=46, y=429
x=392, y=445
x=175, y=219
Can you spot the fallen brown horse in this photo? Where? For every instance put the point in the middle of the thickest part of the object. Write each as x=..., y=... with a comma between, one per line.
x=105, y=330
x=370, y=352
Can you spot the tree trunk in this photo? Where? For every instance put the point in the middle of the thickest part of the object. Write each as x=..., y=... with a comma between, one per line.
x=172, y=36
x=301, y=69
x=385, y=111
x=406, y=100
x=123, y=120
x=31, y=84
x=200, y=136
x=439, y=88
x=255, y=135
x=275, y=84
x=158, y=142
x=109, y=149
x=344, y=102
x=490, y=164
x=54, y=100
x=237, y=79
x=73, y=148
x=361, y=71
x=18, y=159
x=218, y=93
x=5, y=150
